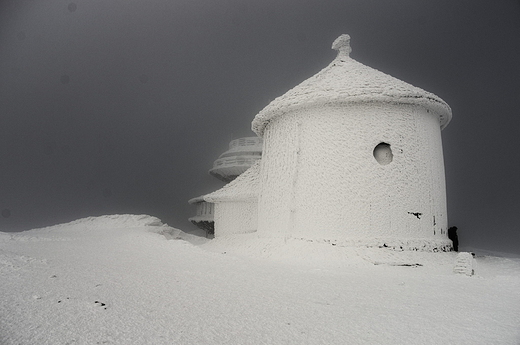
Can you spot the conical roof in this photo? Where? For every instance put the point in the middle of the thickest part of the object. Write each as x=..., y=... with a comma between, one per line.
x=347, y=81
x=243, y=188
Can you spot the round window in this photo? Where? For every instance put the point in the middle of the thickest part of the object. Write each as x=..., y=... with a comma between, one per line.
x=383, y=153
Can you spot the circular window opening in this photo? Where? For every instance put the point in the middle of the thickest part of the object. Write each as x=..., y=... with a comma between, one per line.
x=383, y=153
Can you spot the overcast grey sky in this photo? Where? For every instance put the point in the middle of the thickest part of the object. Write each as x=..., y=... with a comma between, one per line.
x=121, y=106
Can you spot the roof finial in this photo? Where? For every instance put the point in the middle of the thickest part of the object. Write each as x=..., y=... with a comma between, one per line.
x=342, y=45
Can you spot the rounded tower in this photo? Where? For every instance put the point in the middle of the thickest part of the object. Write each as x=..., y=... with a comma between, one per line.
x=354, y=156
x=242, y=154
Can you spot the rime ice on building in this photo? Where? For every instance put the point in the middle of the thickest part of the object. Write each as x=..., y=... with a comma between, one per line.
x=204, y=216
x=236, y=204
x=351, y=156
x=242, y=154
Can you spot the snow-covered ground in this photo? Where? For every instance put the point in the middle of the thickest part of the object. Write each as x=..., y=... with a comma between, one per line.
x=132, y=280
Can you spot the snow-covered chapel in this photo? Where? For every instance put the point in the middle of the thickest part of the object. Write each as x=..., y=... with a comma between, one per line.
x=351, y=156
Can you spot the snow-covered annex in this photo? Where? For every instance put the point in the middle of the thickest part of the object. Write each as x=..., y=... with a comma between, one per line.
x=242, y=154
x=351, y=156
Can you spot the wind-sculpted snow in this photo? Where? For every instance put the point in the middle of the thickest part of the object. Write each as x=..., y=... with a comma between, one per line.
x=89, y=225
x=117, y=220
x=108, y=221
x=120, y=284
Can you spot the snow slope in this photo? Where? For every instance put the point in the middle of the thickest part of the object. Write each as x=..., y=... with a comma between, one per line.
x=132, y=280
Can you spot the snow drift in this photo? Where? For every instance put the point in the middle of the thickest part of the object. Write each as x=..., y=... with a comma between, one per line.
x=119, y=280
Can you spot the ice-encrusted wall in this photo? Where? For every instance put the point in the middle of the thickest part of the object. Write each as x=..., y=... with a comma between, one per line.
x=320, y=179
x=351, y=156
x=239, y=217
x=236, y=204
x=354, y=156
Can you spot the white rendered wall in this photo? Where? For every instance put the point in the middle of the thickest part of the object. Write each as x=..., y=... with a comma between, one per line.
x=237, y=217
x=320, y=181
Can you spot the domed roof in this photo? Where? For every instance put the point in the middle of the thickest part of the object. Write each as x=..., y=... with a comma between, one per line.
x=345, y=80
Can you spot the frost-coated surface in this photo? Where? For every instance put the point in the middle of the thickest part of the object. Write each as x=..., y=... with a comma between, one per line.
x=345, y=80
x=115, y=280
x=236, y=204
x=235, y=217
x=242, y=154
x=319, y=178
x=244, y=187
x=354, y=156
